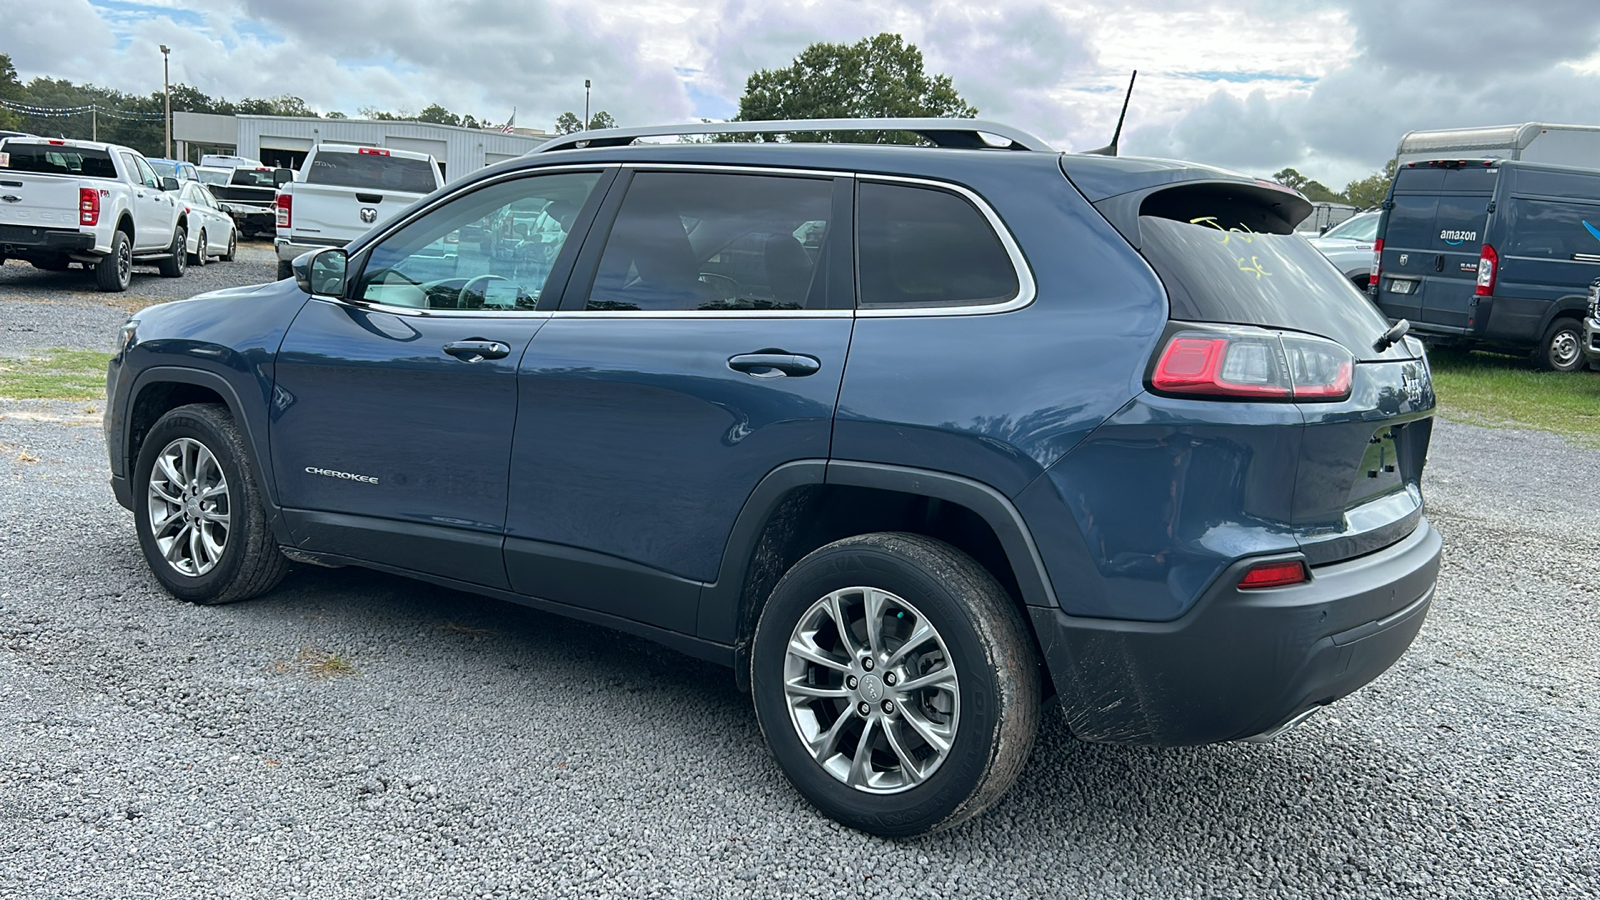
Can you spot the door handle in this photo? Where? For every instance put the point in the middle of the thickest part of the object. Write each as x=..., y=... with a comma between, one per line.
x=476, y=350
x=775, y=364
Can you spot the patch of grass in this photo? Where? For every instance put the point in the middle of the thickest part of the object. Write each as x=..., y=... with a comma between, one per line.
x=318, y=664
x=56, y=375
x=1507, y=392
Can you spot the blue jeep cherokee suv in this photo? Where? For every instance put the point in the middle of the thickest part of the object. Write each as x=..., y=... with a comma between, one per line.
x=913, y=438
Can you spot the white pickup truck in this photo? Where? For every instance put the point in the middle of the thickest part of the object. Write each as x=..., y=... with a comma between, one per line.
x=343, y=191
x=101, y=205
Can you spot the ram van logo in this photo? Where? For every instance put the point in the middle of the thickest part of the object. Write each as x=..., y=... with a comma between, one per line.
x=369, y=215
x=1456, y=237
x=343, y=476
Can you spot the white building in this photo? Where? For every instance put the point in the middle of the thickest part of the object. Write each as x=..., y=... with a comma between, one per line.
x=283, y=141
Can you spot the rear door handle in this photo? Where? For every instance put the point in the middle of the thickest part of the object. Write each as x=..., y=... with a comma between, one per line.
x=477, y=350
x=774, y=364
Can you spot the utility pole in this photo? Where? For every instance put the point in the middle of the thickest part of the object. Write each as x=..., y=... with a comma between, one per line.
x=586, y=104
x=166, y=87
x=94, y=122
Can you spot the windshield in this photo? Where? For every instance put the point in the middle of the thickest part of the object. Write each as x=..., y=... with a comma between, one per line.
x=373, y=171
x=1358, y=228
x=56, y=159
x=1243, y=277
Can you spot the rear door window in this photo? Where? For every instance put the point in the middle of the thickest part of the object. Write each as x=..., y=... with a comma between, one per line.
x=1411, y=221
x=1460, y=222
x=925, y=247
x=373, y=171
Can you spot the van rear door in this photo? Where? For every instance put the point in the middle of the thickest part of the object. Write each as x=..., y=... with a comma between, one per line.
x=1431, y=243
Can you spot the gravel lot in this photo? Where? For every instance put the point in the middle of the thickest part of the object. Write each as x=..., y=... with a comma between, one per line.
x=153, y=749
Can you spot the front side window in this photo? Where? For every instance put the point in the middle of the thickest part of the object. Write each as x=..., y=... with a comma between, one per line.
x=713, y=241
x=146, y=173
x=491, y=249
x=925, y=247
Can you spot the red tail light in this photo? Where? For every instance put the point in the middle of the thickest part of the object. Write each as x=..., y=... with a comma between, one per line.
x=88, y=206
x=1488, y=270
x=375, y=151
x=1274, y=574
x=284, y=207
x=1377, y=263
x=1253, y=365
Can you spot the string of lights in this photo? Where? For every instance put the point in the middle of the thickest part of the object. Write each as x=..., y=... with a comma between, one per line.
x=61, y=112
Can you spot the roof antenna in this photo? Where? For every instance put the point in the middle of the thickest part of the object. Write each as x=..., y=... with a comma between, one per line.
x=1111, y=148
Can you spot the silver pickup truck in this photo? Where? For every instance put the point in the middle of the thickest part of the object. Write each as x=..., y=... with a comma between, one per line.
x=343, y=191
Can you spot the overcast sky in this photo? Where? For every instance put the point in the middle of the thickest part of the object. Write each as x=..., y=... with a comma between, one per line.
x=1326, y=86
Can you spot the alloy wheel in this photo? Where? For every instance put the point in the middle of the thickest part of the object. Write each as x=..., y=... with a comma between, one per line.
x=872, y=690
x=189, y=507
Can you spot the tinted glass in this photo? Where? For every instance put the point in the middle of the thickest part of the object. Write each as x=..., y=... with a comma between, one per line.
x=165, y=169
x=1248, y=278
x=924, y=247
x=255, y=178
x=714, y=241
x=1411, y=222
x=1551, y=229
x=369, y=170
x=492, y=249
x=1460, y=222
x=146, y=173
x=56, y=160
x=208, y=176
x=1360, y=228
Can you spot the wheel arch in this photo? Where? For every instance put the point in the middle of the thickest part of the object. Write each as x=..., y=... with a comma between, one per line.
x=1569, y=307
x=804, y=505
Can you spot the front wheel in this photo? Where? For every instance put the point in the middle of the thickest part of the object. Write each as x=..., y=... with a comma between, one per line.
x=1561, y=348
x=896, y=683
x=198, y=509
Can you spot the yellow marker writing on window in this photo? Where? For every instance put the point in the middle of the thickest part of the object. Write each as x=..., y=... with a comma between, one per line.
x=1254, y=267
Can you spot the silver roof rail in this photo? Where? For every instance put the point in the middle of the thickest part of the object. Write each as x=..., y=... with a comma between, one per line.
x=959, y=133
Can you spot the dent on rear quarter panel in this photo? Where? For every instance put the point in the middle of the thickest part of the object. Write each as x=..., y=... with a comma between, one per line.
x=997, y=398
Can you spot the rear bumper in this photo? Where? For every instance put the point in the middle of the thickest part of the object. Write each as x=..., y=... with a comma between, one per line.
x=1241, y=663
x=20, y=240
x=288, y=248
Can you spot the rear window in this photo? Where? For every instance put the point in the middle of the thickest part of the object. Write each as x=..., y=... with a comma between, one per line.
x=253, y=178
x=51, y=159
x=1235, y=261
x=1552, y=229
x=371, y=170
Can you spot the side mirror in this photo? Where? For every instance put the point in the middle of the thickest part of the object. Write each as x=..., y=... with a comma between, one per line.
x=281, y=177
x=168, y=183
x=321, y=272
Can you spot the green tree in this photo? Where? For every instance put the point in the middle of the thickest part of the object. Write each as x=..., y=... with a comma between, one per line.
x=601, y=119
x=10, y=89
x=569, y=123
x=1372, y=190
x=438, y=115
x=875, y=77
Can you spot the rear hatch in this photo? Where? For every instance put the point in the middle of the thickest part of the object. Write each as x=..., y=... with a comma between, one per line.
x=1259, y=315
x=345, y=193
x=1433, y=232
x=39, y=183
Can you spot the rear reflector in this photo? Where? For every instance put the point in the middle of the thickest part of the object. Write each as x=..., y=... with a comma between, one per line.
x=1274, y=574
x=1488, y=266
x=375, y=151
x=1253, y=365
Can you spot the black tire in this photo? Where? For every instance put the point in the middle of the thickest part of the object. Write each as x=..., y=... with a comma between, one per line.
x=1561, y=348
x=177, y=259
x=285, y=270
x=233, y=245
x=199, y=259
x=249, y=563
x=114, y=271
x=988, y=645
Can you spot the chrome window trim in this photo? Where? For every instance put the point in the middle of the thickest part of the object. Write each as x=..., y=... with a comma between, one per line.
x=438, y=313
x=1027, y=290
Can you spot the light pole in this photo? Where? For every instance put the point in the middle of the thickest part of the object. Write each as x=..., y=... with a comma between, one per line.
x=166, y=88
x=585, y=104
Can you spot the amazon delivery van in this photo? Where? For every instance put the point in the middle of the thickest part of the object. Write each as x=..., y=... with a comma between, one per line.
x=1492, y=253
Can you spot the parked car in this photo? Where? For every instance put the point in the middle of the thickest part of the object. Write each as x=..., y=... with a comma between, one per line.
x=1349, y=246
x=844, y=418
x=1491, y=253
x=1591, y=327
x=248, y=196
x=212, y=232
x=177, y=168
x=343, y=191
x=100, y=205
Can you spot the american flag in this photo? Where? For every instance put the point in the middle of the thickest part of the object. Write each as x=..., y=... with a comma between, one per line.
x=510, y=123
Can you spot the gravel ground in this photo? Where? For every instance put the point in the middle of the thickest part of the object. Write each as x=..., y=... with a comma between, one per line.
x=149, y=748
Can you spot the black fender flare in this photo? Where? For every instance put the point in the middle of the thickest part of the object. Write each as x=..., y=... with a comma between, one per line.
x=724, y=614
x=1573, y=307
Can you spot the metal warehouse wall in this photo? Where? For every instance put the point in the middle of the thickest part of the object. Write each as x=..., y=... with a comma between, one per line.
x=464, y=150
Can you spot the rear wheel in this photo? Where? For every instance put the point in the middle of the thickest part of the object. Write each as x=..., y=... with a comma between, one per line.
x=896, y=683
x=198, y=509
x=1561, y=348
x=115, y=270
x=199, y=257
x=177, y=258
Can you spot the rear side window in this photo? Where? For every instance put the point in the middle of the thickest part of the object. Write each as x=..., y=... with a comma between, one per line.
x=374, y=171
x=1229, y=256
x=52, y=159
x=1553, y=229
x=925, y=247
